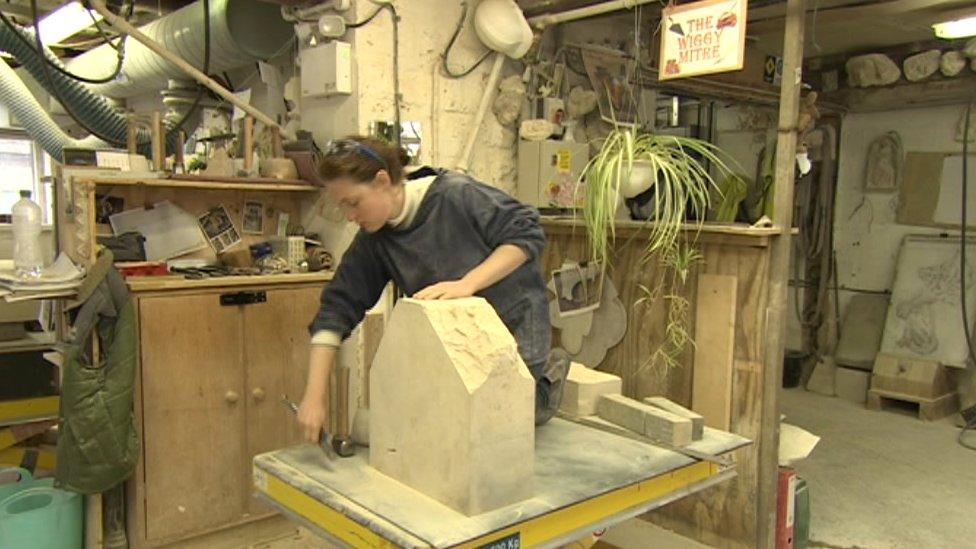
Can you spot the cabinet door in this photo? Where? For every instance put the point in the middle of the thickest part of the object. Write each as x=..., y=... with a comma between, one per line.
x=193, y=414
x=276, y=346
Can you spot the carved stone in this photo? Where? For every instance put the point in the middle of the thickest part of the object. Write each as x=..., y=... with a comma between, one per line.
x=453, y=405
x=874, y=69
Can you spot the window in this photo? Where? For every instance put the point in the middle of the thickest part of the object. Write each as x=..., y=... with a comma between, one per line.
x=24, y=166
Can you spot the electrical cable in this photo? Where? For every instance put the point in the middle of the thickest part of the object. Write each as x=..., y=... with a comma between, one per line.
x=450, y=45
x=368, y=19
x=963, y=222
x=38, y=47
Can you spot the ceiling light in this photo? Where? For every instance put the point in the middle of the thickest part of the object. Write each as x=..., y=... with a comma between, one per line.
x=66, y=21
x=959, y=28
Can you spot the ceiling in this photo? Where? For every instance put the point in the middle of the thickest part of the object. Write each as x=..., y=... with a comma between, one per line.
x=832, y=26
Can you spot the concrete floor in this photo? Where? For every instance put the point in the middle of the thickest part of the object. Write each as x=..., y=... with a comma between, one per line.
x=883, y=479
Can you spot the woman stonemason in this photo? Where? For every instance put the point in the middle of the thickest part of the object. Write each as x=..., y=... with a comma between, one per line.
x=439, y=235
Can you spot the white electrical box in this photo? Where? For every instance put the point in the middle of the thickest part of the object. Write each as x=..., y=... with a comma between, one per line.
x=549, y=172
x=327, y=69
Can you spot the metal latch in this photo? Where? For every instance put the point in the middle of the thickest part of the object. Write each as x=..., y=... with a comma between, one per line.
x=243, y=298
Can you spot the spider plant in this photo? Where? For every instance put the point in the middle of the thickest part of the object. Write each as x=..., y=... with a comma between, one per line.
x=682, y=185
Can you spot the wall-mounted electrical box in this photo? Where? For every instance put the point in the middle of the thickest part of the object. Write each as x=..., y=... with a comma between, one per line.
x=327, y=69
x=549, y=172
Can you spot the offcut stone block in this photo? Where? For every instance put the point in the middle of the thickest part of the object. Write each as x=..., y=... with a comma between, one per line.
x=697, y=421
x=644, y=419
x=583, y=389
x=823, y=378
x=852, y=384
x=453, y=405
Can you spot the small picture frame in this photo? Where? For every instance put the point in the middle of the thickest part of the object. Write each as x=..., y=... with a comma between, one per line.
x=219, y=229
x=252, y=221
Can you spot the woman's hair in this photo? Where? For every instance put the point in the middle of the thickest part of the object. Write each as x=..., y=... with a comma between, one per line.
x=360, y=158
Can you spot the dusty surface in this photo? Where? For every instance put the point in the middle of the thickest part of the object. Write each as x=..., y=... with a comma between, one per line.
x=883, y=479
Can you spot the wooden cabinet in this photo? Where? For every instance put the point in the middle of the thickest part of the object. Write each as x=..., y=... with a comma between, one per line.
x=209, y=396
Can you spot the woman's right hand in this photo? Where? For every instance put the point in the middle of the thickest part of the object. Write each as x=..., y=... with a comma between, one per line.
x=311, y=417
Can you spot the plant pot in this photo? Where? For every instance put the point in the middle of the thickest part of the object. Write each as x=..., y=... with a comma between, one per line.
x=642, y=177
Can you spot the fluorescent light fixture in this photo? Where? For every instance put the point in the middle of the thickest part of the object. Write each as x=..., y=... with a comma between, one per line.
x=66, y=21
x=959, y=28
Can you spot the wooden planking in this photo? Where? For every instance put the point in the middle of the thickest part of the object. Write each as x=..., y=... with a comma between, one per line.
x=192, y=406
x=276, y=349
x=140, y=284
x=373, y=325
x=723, y=515
x=711, y=394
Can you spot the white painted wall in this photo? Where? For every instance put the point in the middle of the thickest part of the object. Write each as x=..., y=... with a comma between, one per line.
x=866, y=235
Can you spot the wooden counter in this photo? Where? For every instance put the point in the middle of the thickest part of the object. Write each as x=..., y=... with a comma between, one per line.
x=179, y=282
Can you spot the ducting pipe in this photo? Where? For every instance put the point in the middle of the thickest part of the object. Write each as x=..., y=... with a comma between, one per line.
x=241, y=32
x=38, y=123
x=92, y=110
x=543, y=21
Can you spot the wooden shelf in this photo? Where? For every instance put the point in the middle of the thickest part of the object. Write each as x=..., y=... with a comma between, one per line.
x=220, y=184
x=33, y=342
x=178, y=282
x=730, y=233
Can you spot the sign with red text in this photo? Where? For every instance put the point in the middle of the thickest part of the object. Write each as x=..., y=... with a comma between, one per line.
x=702, y=38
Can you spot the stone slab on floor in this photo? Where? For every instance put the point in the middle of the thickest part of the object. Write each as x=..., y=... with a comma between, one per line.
x=852, y=384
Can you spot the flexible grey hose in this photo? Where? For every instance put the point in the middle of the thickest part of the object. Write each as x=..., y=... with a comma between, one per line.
x=92, y=110
x=38, y=123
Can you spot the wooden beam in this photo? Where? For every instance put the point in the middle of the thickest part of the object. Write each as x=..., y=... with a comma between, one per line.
x=779, y=270
x=826, y=16
x=930, y=93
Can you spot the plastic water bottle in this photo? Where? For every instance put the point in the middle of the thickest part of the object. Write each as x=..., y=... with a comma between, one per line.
x=27, y=236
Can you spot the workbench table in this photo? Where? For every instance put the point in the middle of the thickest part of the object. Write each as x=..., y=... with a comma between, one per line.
x=585, y=479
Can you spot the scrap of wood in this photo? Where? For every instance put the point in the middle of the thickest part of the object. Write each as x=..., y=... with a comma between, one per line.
x=644, y=419
x=711, y=394
x=697, y=421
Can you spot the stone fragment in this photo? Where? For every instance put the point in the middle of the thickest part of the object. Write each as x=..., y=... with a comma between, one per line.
x=922, y=65
x=581, y=102
x=873, y=69
x=970, y=49
x=697, y=421
x=452, y=405
x=645, y=419
x=508, y=104
x=584, y=386
x=952, y=63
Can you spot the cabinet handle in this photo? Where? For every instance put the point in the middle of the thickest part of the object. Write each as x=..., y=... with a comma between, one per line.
x=243, y=298
x=258, y=394
x=231, y=396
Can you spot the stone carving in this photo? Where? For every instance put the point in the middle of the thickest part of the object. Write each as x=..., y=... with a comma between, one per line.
x=952, y=63
x=874, y=69
x=452, y=405
x=885, y=164
x=508, y=104
x=581, y=102
x=922, y=65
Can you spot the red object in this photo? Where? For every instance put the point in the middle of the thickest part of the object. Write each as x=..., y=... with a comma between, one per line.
x=142, y=268
x=785, y=506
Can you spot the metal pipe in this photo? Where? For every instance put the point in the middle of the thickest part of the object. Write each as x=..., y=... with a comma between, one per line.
x=124, y=27
x=543, y=21
x=496, y=72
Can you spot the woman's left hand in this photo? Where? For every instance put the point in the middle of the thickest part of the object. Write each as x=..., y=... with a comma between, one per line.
x=452, y=289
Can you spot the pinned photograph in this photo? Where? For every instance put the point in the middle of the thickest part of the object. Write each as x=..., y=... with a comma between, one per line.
x=219, y=229
x=578, y=288
x=253, y=217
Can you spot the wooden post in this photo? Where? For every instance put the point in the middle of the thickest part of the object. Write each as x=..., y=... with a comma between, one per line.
x=179, y=164
x=248, y=143
x=158, y=147
x=779, y=270
x=277, y=149
x=373, y=326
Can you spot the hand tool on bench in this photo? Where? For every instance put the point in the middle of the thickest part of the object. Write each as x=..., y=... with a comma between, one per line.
x=342, y=447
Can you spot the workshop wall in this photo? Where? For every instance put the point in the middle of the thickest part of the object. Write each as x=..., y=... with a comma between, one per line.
x=867, y=236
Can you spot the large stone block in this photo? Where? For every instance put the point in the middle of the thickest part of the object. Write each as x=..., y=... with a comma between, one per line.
x=452, y=405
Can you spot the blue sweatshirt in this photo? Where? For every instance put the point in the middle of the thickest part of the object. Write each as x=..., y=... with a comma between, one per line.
x=458, y=225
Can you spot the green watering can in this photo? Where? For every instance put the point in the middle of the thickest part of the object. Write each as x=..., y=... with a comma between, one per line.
x=35, y=514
